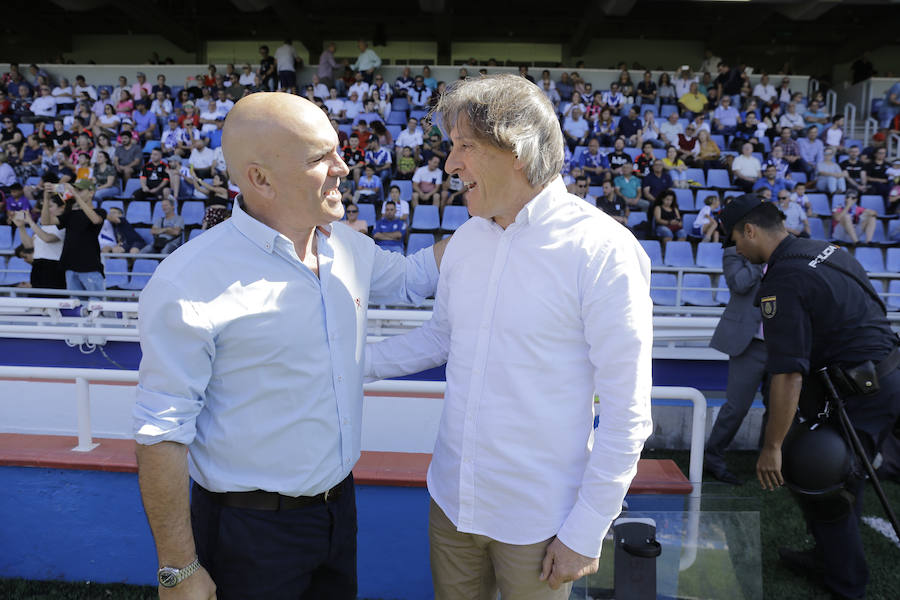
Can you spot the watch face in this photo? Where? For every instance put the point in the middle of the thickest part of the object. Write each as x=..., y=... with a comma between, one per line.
x=168, y=577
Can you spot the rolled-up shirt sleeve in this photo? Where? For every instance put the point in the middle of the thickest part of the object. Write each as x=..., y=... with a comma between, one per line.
x=398, y=279
x=618, y=322
x=178, y=349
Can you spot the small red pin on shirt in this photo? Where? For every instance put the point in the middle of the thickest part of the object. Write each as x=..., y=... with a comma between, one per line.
x=358, y=303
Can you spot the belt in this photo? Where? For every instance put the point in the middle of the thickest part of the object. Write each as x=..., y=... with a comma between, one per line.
x=887, y=366
x=262, y=500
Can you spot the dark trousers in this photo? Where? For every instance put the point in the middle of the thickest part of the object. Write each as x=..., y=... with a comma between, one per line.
x=308, y=553
x=287, y=79
x=745, y=373
x=839, y=541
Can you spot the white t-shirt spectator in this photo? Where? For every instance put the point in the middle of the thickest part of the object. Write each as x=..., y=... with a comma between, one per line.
x=764, y=92
x=352, y=109
x=748, y=166
x=576, y=129
x=409, y=140
x=419, y=97
x=161, y=109
x=247, y=79
x=361, y=88
x=91, y=91
x=207, y=116
x=320, y=90
x=284, y=57
x=335, y=106
x=63, y=95
x=44, y=106
x=202, y=159
x=670, y=131
x=223, y=106
x=426, y=175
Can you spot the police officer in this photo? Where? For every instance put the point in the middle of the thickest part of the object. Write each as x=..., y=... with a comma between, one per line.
x=819, y=310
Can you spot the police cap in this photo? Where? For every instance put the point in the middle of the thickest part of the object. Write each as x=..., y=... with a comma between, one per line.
x=736, y=210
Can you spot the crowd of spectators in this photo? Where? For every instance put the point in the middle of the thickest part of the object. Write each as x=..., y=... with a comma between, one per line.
x=631, y=147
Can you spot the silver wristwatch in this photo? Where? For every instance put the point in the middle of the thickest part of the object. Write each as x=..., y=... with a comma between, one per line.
x=169, y=577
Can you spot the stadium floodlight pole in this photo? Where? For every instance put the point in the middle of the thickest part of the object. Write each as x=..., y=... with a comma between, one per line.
x=847, y=426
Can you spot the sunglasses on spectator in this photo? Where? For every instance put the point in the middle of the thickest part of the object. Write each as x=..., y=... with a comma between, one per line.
x=352, y=211
x=782, y=197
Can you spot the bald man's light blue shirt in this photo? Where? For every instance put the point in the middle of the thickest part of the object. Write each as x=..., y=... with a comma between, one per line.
x=256, y=363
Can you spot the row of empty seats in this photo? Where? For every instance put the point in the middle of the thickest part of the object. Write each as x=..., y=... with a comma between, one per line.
x=118, y=276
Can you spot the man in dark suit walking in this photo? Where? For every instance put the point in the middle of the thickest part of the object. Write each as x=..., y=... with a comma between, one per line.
x=739, y=335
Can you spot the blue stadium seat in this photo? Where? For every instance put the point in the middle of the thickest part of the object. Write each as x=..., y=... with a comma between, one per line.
x=696, y=175
x=879, y=236
x=871, y=259
x=425, y=218
x=33, y=181
x=817, y=229
x=687, y=221
x=723, y=295
x=138, y=211
x=215, y=139
x=157, y=211
x=397, y=118
x=659, y=296
x=878, y=285
x=893, y=302
x=892, y=262
x=394, y=130
x=633, y=152
x=709, y=254
x=347, y=128
x=193, y=211
x=732, y=194
x=702, y=195
x=454, y=217
x=418, y=114
x=837, y=200
x=131, y=186
x=659, y=153
x=144, y=232
x=367, y=213
x=141, y=271
x=654, y=251
x=150, y=145
x=417, y=241
x=685, y=198
x=798, y=177
x=819, y=203
x=667, y=109
x=405, y=186
x=26, y=128
x=718, y=178
x=679, y=254
x=108, y=204
x=701, y=297
x=719, y=139
x=116, y=272
x=636, y=218
x=400, y=103
x=651, y=107
x=874, y=202
x=850, y=143
x=595, y=190
x=17, y=271
x=6, y=237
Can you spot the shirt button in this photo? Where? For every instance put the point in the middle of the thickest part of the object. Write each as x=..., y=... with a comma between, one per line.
x=340, y=379
x=346, y=421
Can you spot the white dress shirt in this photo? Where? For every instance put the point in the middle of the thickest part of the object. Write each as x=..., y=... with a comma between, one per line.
x=256, y=363
x=532, y=321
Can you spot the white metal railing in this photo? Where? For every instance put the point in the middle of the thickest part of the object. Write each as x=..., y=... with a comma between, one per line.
x=893, y=145
x=870, y=129
x=831, y=101
x=850, y=119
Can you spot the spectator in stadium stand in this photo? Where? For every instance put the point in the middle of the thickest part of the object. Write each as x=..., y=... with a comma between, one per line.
x=610, y=203
x=248, y=78
x=709, y=154
x=406, y=163
x=64, y=95
x=604, y=128
x=581, y=189
x=854, y=218
x=650, y=131
x=209, y=80
x=404, y=82
x=830, y=177
x=655, y=182
x=369, y=187
x=683, y=81
x=161, y=109
x=676, y=168
x=118, y=235
x=747, y=131
x=798, y=195
x=776, y=159
x=223, y=103
x=618, y=157
x=15, y=201
x=890, y=107
x=353, y=220
x=855, y=169
x=327, y=65
x=128, y=158
x=670, y=129
x=629, y=127
x=141, y=88
x=771, y=180
x=746, y=168
x=665, y=218
x=876, y=174
x=203, y=159
x=366, y=62
x=815, y=115
x=360, y=87
x=167, y=231
x=80, y=257
x=125, y=106
x=628, y=187
x=791, y=151
x=5, y=103
x=646, y=89
x=145, y=122
x=379, y=158
x=45, y=105
x=210, y=119
x=706, y=225
x=354, y=157
x=267, y=73
x=576, y=129
x=764, y=91
x=593, y=163
x=550, y=92
x=688, y=146
x=389, y=230
x=644, y=160
x=154, y=178
x=106, y=178
x=564, y=87
x=665, y=91
x=29, y=159
x=116, y=95
x=710, y=62
x=725, y=117
x=728, y=82
x=434, y=145
x=161, y=87
x=693, y=102
x=834, y=134
x=46, y=243
x=426, y=182
x=187, y=139
x=613, y=99
x=411, y=137
x=792, y=120
x=353, y=107
x=107, y=123
x=419, y=94
x=796, y=221
x=811, y=151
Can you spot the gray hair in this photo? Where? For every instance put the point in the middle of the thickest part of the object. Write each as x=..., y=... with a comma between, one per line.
x=511, y=113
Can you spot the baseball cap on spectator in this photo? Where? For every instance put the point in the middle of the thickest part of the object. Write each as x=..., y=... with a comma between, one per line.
x=188, y=103
x=127, y=121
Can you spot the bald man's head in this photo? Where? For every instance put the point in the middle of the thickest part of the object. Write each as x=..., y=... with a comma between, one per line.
x=281, y=151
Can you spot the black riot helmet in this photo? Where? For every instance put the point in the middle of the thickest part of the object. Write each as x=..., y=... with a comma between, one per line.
x=816, y=461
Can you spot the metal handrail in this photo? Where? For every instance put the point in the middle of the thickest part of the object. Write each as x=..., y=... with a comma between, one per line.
x=850, y=118
x=831, y=101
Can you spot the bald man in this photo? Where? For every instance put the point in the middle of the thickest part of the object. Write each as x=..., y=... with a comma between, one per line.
x=251, y=379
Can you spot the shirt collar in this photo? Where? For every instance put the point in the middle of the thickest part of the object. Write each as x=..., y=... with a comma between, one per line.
x=538, y=206
x=780, y=249
x=259, y=233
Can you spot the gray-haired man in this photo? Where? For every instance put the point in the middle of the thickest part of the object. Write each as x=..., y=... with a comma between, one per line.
x=521, y=502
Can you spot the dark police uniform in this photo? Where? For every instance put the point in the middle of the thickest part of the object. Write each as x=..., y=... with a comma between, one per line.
x=815, y=316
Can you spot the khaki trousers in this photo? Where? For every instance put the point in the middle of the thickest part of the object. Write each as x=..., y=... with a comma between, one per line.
x=466, y=566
